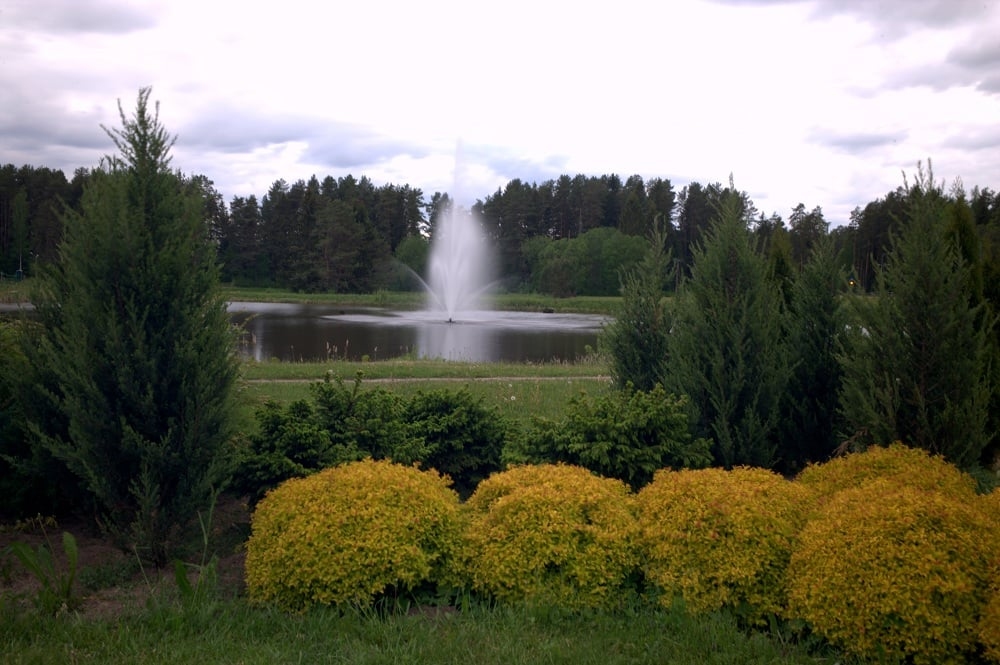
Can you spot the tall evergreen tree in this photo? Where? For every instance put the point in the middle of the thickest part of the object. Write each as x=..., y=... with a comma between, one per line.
x=727, y=351
x=917, y=365
x=136, y=360
x=638, y=338
x=810, y=425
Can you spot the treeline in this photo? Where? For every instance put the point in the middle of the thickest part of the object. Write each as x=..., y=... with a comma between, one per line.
x=567, y=236
x=782, y=366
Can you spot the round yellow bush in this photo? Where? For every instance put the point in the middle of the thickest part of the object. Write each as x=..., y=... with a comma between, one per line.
x=720, y=538
x=989, y=628
x=894, y=569
x=551, y=534
x=912, y=466
x=350, y=533
x=989, y=624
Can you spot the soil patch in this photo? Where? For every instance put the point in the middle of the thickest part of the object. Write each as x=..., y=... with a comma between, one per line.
x=111, y=582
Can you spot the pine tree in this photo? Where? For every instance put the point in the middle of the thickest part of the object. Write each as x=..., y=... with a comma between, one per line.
x=637, y=340
x=917, y=364
x=810, y=425
x=727, y=352
x=137, y=359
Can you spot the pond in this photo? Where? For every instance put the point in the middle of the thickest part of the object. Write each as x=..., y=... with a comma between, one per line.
x=324, y=332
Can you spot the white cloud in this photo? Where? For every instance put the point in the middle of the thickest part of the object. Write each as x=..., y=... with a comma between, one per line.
x=822, y=102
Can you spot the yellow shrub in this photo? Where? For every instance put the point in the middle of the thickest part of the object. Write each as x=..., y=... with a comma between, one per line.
x=720, y=538
x=989, y=624
x=989, y=627
x=551, y=534
x=894, y=569
x=911, y=466
x=347, y=534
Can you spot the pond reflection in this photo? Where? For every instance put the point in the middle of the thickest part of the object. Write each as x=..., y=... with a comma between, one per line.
x=318, y=332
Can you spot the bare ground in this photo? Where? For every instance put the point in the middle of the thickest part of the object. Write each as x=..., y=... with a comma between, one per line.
x=110, y=582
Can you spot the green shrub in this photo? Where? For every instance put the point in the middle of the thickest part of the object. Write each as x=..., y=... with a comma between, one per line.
x=461, y=436
x=350, y=535
x=451, y=431
x=719, y=538
x=895, y=570
x=370, y=421
x=552, y=535
x=910, y=466
x=287, y=444
x=626, y=434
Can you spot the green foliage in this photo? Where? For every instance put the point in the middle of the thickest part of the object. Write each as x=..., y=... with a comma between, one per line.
x=338, y=425
x=462, y=437
x=451, y=431
x=56, y=591
x=638, y=339
x=719, y=538
x=626, y=434
x=135, y=369
x=31, y=481
x=917, y=359
x=811, y=423
x=551, y=535
x=199, y=594
x=585, y=265
x=411, y=253
x=727, y=349
x=349, y=535
x=367, y=422
x=894, y=571
x=285, y=445
x=496, y=635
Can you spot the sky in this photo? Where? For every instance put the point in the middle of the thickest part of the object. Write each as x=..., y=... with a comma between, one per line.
x=827, y=103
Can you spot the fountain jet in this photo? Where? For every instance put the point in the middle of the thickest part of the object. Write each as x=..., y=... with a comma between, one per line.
x=459, y=270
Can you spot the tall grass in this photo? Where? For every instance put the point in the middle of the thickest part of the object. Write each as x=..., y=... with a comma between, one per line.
x=14, y=291
x=236, y=633
x=516, y=395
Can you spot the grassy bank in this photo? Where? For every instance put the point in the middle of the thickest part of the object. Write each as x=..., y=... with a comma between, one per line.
x=14, y=291
x=518, y=390
x=525, y=302
x=231, y=632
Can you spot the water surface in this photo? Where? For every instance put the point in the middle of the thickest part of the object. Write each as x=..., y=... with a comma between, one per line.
x=321, y=332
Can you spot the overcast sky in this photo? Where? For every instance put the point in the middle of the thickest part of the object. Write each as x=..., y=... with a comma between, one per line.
x=823, y=102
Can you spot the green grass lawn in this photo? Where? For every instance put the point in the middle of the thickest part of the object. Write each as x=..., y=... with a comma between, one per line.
x=232, y=632
x=518, y=390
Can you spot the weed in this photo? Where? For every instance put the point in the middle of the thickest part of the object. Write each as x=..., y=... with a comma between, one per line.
x=56, y=593
x=206, y=570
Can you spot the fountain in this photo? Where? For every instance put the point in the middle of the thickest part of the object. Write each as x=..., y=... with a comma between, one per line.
x=459, y=268
x=454, y=324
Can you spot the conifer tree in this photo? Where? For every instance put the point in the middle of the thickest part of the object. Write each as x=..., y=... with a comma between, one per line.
x=917, y=363
x=637, y=340
x=727, y=351
x=810, y=423
x=136, y=362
